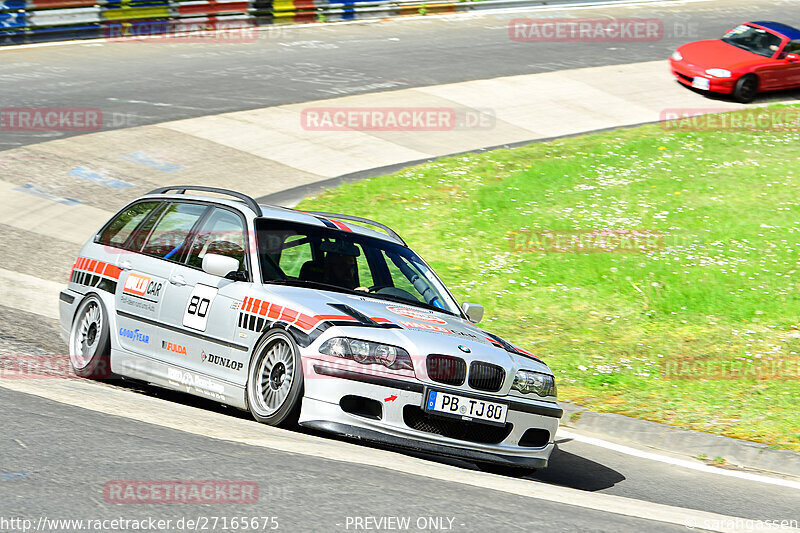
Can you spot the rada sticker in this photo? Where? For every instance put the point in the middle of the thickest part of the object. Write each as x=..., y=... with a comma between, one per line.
x=416, y=314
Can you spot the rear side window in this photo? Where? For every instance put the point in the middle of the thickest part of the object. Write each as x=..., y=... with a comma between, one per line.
x=120, y=228
x=168, y=238
x=223, y=234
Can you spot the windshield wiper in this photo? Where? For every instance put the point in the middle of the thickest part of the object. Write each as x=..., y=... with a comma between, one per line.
x=317, y=284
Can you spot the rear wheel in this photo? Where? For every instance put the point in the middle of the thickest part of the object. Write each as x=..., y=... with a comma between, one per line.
x=746, y=89
x=275, y=380
x=89, y=343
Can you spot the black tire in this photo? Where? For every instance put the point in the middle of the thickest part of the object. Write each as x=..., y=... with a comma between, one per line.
x=89, y=341
x=275, y=380
x=506, y=470
x=746, y=89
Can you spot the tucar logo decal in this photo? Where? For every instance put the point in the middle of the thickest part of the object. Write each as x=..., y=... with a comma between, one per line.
x=464, y=348
x=143, y=287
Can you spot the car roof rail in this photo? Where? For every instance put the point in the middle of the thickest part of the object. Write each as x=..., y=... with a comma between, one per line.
x=181, y=189
x=353, y=218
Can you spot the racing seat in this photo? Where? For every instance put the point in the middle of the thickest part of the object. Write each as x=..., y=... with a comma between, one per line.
x=340, y=270
x=312, y=271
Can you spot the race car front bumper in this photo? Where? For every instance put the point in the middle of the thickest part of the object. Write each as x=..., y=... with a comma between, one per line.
x=382, y=409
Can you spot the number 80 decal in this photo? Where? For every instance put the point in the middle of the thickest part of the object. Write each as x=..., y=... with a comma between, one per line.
x=196, y=314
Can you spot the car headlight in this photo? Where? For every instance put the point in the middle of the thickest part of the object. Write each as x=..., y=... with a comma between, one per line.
x=368, y=353
x=719, y=72
x=527, y=381
x=677, y=56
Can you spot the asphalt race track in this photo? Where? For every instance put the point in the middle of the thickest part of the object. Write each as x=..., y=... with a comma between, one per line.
x=162, y=81
x=63, y=440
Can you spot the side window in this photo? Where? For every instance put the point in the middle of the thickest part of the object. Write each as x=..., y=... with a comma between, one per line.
x=122, y=226
x=296, y=253
x=168, y=238
x=222, y=233
x=793, y=47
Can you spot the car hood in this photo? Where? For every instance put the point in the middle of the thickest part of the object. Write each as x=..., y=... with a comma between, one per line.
x=419, y=330
x=715, y=53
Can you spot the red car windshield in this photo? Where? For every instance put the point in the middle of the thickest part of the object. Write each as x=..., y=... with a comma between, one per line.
x=753, y=40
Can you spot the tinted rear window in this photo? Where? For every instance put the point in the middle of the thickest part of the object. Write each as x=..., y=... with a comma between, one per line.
x=124, y=223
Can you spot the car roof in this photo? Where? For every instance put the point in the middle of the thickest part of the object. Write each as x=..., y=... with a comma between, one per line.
x=778, y=27
x=332, y=221
x=252, y=209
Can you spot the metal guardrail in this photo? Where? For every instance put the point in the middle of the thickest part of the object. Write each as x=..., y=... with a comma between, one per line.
x=27, y=21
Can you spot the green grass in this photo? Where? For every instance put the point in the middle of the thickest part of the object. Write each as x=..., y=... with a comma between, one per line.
x=700, y=332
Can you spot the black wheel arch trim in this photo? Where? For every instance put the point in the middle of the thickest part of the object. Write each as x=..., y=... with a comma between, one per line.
x=64, y=296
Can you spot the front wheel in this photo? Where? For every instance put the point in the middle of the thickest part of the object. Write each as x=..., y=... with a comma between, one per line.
x=746, y=89
x=275, y=380
x=89, y=343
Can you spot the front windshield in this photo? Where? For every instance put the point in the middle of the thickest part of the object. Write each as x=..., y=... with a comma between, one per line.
x=300, y=254
x=754, y=40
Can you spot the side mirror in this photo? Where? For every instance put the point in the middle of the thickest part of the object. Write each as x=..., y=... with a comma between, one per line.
x=474, y=312
x=792, y=58
x=219, y=265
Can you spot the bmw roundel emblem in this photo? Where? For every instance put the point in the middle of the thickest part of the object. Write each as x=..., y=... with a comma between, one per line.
x=464, y=348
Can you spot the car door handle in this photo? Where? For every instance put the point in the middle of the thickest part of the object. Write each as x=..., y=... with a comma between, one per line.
x=177, y=280
x=125, y=265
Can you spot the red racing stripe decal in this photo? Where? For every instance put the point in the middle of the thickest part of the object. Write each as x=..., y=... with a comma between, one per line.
x=342, y=226
x=289, y=315
x=275, y=311
x=347, y=318
x=306, y=322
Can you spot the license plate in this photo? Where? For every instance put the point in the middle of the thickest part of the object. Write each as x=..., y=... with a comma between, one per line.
x=466, y=408
x=701, y=83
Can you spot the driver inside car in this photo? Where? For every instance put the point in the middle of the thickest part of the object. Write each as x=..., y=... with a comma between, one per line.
x=340, y=270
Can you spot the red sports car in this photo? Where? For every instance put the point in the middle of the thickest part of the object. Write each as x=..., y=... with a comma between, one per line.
x=751, y=58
